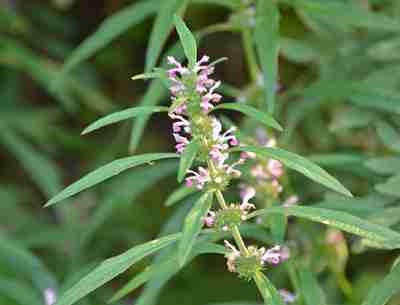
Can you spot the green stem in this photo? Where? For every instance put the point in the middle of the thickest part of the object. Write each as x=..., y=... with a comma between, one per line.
x=249, y=53
x=234, y=230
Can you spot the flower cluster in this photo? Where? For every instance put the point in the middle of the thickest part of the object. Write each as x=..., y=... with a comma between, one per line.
x=256, y=259
x=193, y=98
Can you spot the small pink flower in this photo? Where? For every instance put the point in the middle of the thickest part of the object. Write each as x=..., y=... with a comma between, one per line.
x=200, y=178
x=209, y=220
x=292, y=200
x=248, y=155
x=275, y=255
x=287, y=296
x=247, y=194
x=275, y=168
x=50, y=296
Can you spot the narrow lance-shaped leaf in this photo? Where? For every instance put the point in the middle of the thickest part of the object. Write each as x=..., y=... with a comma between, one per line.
x=253, y=113
x=192, y=226
x=179, y=194
x=162, y=28
x=187, y=158
x=382, y=236
x=123, y=115
x=312, y=292
x=385, y=289
x=300, y=164
x=110, y=29
x=112, y=267
x=105, y=172
x=267, y=42
x=268, y=291
x=187, y=39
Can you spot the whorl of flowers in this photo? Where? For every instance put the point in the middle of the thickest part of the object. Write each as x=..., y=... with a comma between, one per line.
x=193, y=96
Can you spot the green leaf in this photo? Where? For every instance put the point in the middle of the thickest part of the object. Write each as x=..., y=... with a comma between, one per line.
x=42, y=170
x=384, y=237
x=22, y=262
x=297, y=50
x=22, y=293
x=105, y=172
x=162, y=28
x=253, y=113
x=123, y=115
x=268, y=291
x=300, y=164
x=110, y=29
x=267, y=43
x=113, y=267
x=231, y=4
x=311, y=290
x=385, y=289
x=390, y=187
x=335, y=12
x=389, y=136
x=192, y=226
x=187, y=39
x=187, y=158
x=149, y=75
x=180, y=193
x=167, y=266
x=384, y=166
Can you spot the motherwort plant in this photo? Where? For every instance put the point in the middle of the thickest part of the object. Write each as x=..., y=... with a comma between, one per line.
x=215, y=166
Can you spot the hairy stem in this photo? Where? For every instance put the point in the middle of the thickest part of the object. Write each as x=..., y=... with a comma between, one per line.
x=234, y=230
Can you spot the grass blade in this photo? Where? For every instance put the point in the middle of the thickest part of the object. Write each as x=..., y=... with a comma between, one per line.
x=123, y=115
x=267, y=43
x=253, y=113
x=300, y=164
x=382, y=236
x=105, y=172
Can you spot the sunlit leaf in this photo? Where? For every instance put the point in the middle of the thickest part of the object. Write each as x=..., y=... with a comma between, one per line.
x=187, y=39
x=105, y=172
x=123, y=115
x=300, y=164
x=252, y=112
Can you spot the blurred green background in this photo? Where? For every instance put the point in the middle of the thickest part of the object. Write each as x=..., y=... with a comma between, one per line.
x=339, y=69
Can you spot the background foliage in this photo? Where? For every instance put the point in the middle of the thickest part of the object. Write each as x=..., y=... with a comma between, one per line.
x=66, y=63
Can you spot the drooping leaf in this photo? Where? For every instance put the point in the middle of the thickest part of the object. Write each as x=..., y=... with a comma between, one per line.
x=110, y=29
x=268, y=291
x=180, y=193
x=105, y=172
x=187, y=158
x=162, y=28
x=168, y=266
x=300, y=164
x=384, y=165
x=312, y=292
x=231, y=4
x=42, y=170
x=390, y=187
x=123, y=115
x=382, y=236
x=381, y=293
x=297, y=51
x=22, y=262
x=113, y=267
x=187, y=39
x=192, y=226
x=267, y=42
x=253, y=113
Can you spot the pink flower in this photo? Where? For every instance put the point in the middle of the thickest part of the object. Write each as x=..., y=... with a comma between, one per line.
x=200, y=178
x=275, y=168
x=247, y=194
x=50, y=297
x=287, y=296
x=292, y=200
x=182, y=142
x=209, y=220
x=275, y=255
